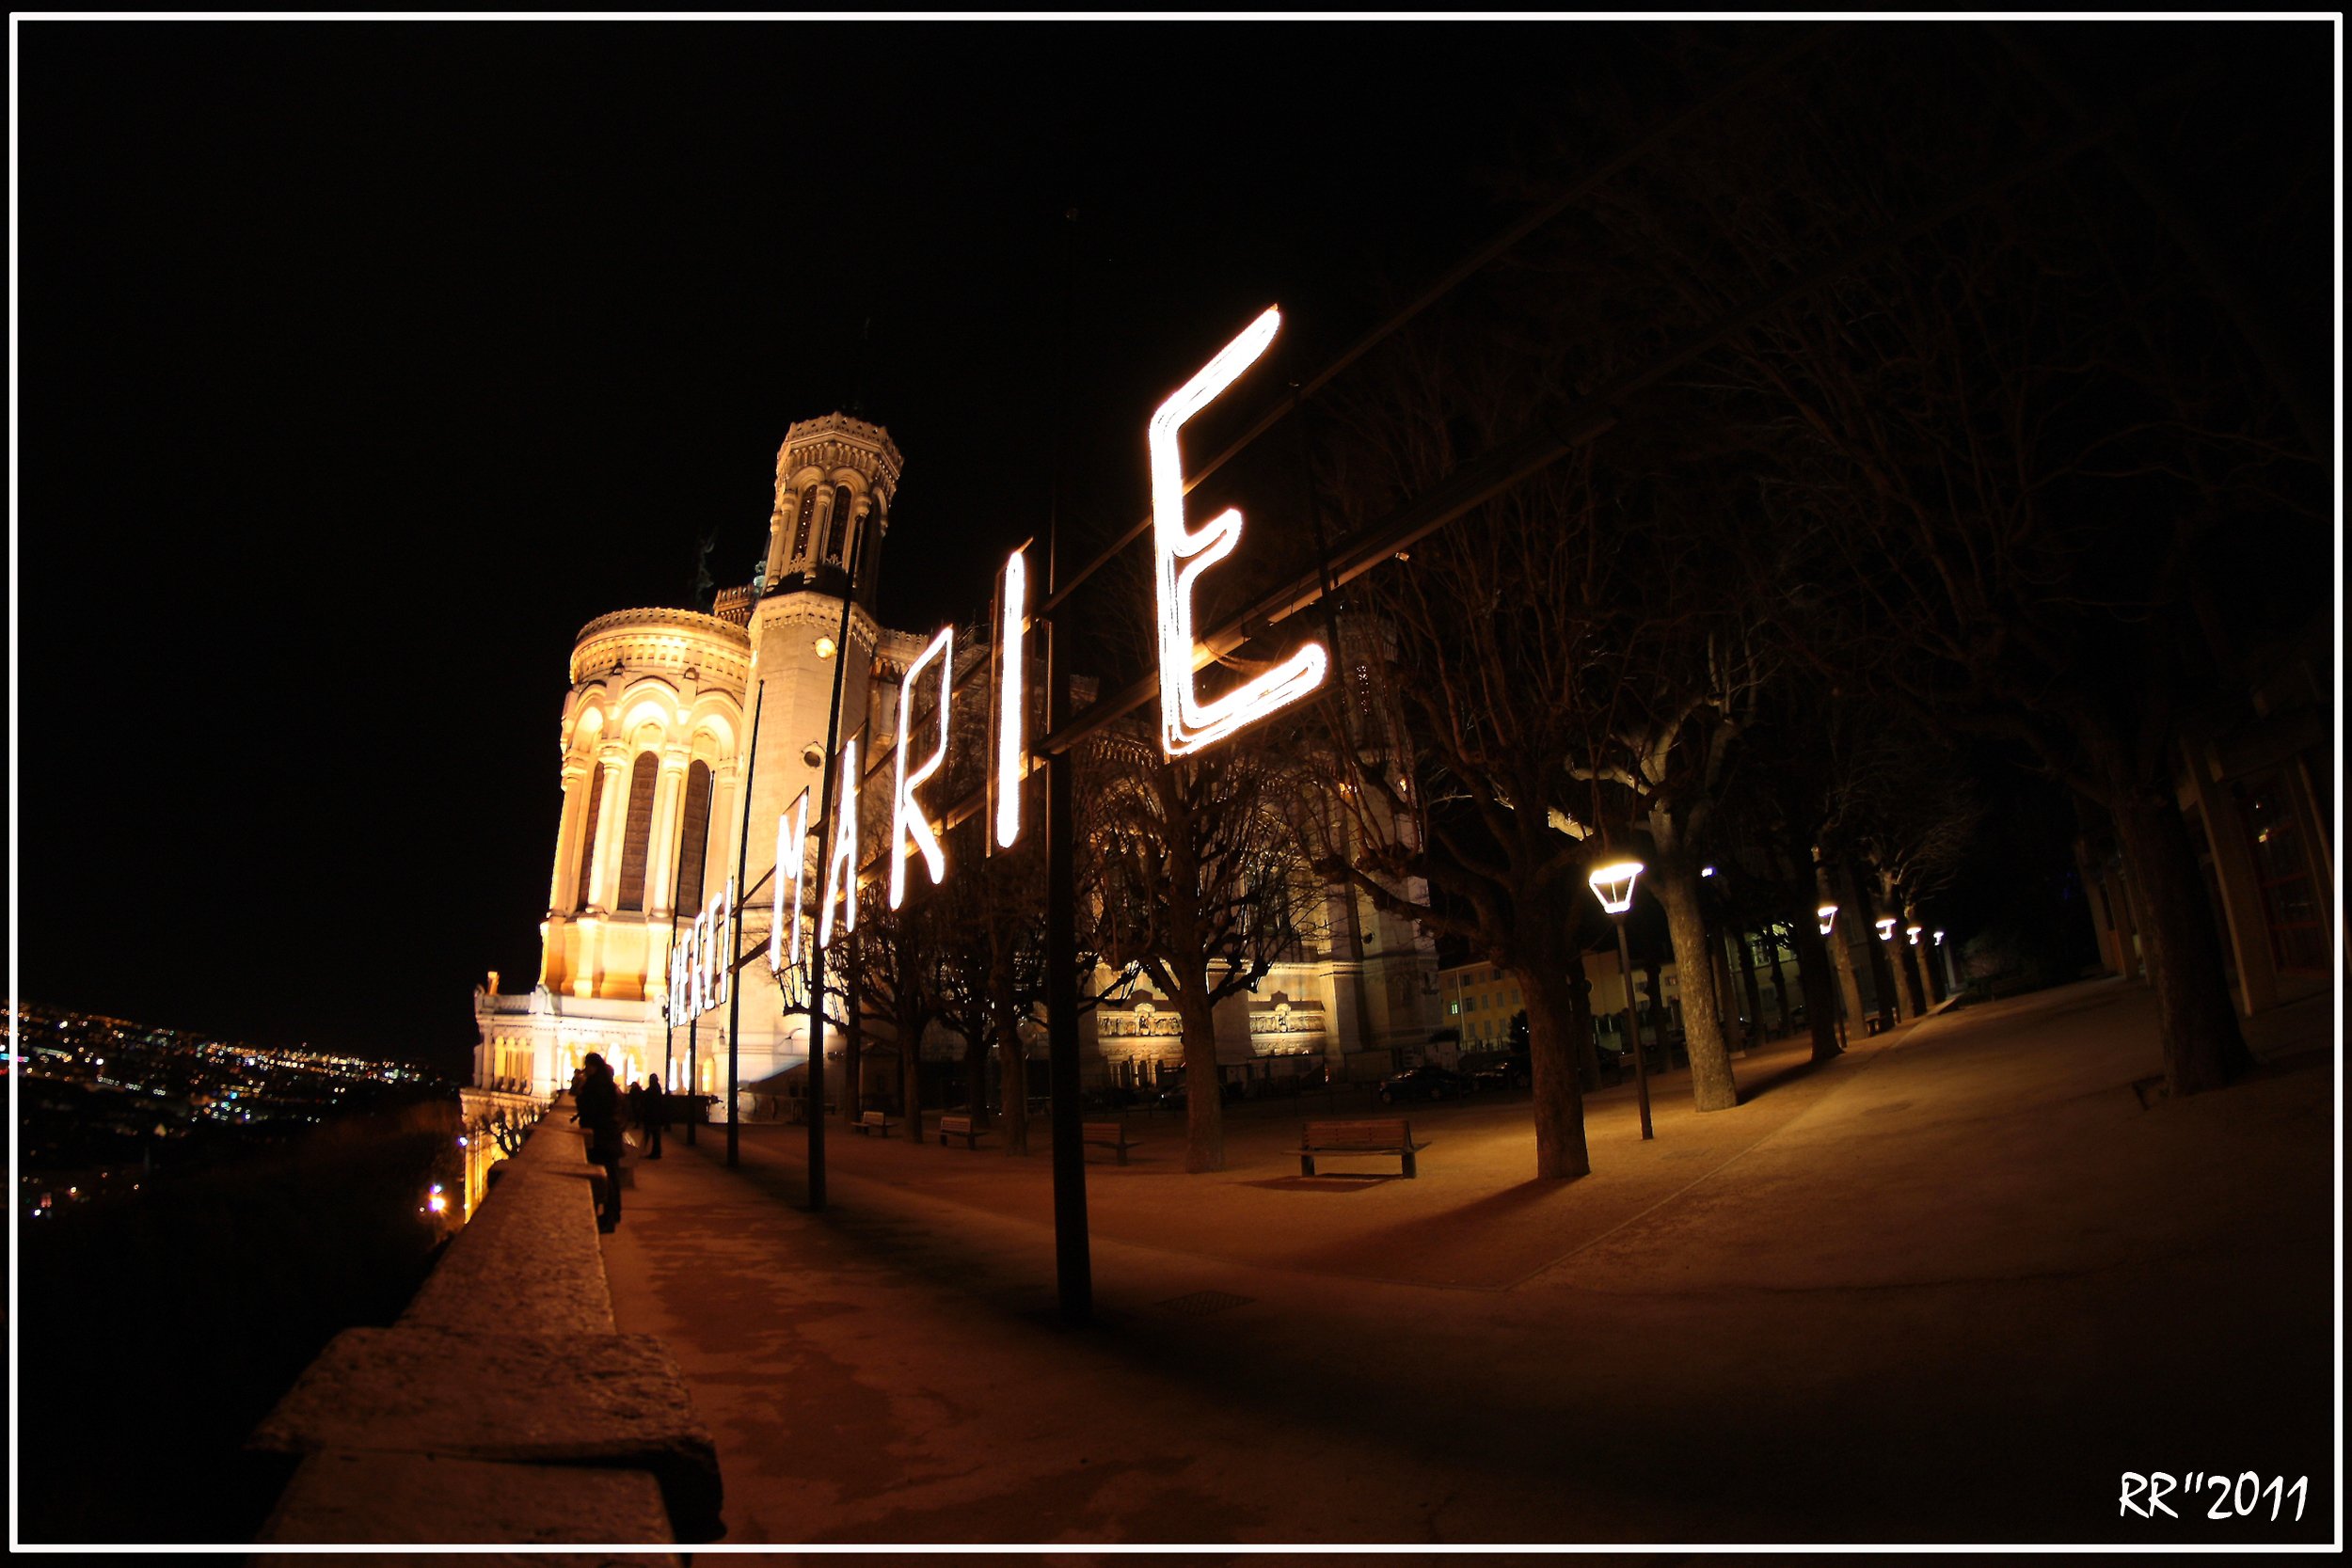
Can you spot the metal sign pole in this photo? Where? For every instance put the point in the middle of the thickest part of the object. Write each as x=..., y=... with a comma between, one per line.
x=735, y=937
x=815, y=1099
x=1073, y=1265
x=1633, y=1026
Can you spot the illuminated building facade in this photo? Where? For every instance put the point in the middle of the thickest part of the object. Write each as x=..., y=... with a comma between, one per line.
x=656, y=752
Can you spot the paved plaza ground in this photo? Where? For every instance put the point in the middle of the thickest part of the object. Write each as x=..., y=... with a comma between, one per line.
x=1946, y=1289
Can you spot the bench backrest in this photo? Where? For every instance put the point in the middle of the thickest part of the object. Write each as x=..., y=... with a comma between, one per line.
x=1102, y=1131
x=955, y=1124
x=1393, y=1133
x=873, y=1118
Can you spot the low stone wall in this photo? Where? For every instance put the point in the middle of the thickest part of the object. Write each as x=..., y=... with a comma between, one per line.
x=502, y=1408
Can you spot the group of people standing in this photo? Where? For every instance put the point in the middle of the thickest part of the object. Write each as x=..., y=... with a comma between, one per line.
x=597, y=1106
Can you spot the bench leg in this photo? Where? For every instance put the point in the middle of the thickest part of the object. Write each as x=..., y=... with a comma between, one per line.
x=1122, y=1154
x=1306, y=1165
x=1409, y=1168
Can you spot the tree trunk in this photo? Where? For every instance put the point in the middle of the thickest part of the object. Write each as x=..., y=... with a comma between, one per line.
x=1930, y=969
x=1016, y=1062
x=911, y=1074
x=2196, y=1019
x=1780, y=982
x=1736, y=1032
x=975, y=1076
x=1556, y=1019
x=2123, y=903
x=1654, y=986
x=1747, y=979
x=1815, y=973
x=1915, y=985
x=852, y=1035
x=1205, y=1097
x=1711, y=1084
x=1881, y=972
x=1840, y=950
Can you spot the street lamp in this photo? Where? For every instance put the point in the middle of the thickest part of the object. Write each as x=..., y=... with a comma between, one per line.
x=1612, y=884
x=1827, y=915
x=1912, y=933
x=1887, y=929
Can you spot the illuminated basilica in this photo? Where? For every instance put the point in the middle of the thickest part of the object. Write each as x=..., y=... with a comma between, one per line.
x=656, y=750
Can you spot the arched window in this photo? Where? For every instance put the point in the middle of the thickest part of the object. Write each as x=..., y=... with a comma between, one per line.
x=837, y=531
x=808, y=520
x=693, y=837
x=638, y=829
x=588, y=835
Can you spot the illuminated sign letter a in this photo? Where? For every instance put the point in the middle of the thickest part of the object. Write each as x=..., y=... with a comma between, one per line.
x=906, y=817
x=1180, y=555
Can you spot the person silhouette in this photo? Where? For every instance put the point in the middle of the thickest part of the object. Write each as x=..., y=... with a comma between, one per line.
x=653, y=1114
x=598, y=1104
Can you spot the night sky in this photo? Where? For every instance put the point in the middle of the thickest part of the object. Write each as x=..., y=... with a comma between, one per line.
x=359, y=365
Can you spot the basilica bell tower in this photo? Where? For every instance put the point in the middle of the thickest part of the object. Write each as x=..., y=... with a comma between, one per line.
x=835, y=478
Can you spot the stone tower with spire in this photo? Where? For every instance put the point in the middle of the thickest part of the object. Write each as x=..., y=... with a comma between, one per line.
x=835, y=478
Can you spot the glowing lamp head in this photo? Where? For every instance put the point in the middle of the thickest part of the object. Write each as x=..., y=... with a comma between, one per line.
x=1706, y=871
x=1827, y=915
x=1612, y=884
x=824, y=647
x=438, y=1203
x=1911, y=932
x=1939, y=939
x=1887, y=929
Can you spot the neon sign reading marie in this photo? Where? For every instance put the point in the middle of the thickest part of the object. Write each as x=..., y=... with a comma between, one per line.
x=1189, y=722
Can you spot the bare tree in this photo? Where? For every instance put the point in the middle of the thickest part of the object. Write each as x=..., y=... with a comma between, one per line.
x=2016, y=446
x=1199, y=888
x=1475, y=684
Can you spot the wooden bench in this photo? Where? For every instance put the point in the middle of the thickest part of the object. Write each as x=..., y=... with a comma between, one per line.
x=1109, y=1135
x=1358, y=1138
x=958, y=1127
x=874, y=1121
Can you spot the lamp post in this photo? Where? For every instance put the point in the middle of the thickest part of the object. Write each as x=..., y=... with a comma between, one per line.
x=1612, y=884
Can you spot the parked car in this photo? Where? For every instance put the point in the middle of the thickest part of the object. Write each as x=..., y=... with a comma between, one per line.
x=1513, y=1070
x=1426, y=1082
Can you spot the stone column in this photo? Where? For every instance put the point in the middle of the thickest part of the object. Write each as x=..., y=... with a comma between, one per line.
x=566, y=876
x=604, y=870
x=820, y=522
x=668, y=790
x=604, y=866
x=861, y=508
x=725, y=828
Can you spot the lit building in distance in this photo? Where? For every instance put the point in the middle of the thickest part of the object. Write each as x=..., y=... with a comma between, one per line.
x=656, y=753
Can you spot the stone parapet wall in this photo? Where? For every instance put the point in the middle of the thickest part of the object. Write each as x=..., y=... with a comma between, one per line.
x=502, y=1407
